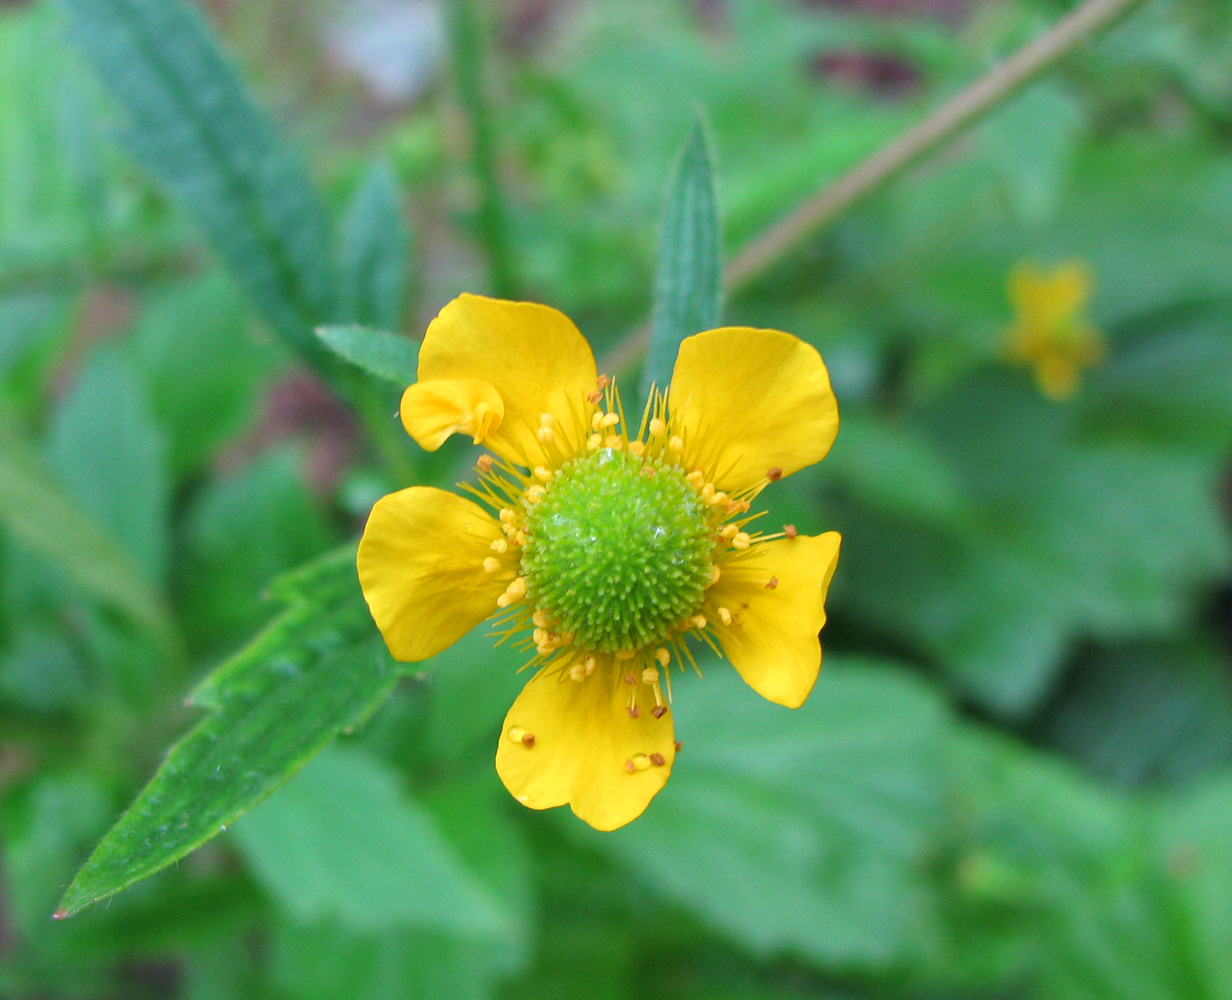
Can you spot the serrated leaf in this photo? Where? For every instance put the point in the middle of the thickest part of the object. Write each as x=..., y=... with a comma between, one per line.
x=689, y=280
x=318, y=668
x=375, y=244
x=387, y=355
x=36, y=510
x=194, y=127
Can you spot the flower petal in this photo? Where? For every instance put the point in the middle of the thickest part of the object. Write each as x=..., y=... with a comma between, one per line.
x=772, y=639
x=583, y=737
x=747, y=401
x=421, y=570
x=433, y=411
x=532, y=356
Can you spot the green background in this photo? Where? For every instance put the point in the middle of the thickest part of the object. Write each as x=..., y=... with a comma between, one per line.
x=1014, y=777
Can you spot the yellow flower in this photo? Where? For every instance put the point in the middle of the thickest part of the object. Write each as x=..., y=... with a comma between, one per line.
x=1050, y=332
x=610, y=548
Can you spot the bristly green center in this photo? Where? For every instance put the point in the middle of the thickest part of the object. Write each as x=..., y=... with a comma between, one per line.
x=618, y=550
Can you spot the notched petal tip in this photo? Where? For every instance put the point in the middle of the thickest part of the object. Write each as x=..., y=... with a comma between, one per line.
x=435, y=409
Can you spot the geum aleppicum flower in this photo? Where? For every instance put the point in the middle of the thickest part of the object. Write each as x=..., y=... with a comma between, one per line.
x=610, y=549
x=1051, y=332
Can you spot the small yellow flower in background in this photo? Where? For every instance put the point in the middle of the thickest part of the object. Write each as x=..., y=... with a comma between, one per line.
x=606, y=548
x=1051, y=332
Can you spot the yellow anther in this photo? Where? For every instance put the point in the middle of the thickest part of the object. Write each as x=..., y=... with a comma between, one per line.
x=517, y=589
x=634, y=711
x=504, y=601
x=657, y=427
x=625, y=654
x=608, y=420
x=499, y=545
x=546, y=420
x=614, y=441
x=519, y=537
x=516, y=733
x=640, y=762
x=708, y=493
x=741, y=541
x=725, y=616
x=720, y=498
x=507, y=516
x=545, y=435
x=539, y=634
x=697, y=479
x=540, y=619
x=676, y=444
x=629, y=766
x=663, y=656
x=729, y=532
x=567, y=639
x=577, y=672
x=545, y=648
x=483, y=463
x=698, y=621
x=596, y=420
x=535, y=493
x=544, y=473
x=637, y=448
x=589, y=665
x=491, y=564
x=650, y=676
x=593, y=442
x=715, y=573
x=602, y=382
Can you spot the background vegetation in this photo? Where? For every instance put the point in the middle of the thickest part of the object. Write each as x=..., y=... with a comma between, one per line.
x=1014, y=778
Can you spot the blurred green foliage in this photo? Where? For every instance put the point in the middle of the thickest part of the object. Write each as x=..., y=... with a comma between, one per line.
x=1014, y=778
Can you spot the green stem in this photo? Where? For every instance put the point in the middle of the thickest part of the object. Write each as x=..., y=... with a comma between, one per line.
x=468, y=50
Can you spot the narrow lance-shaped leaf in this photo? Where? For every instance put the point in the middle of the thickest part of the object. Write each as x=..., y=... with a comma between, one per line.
x=390, y=356
x=317, y=669
x=689, y=283
x=193, y=126
x=373, y=256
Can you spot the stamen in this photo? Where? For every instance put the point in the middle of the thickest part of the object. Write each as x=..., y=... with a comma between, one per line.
x=607, y=420
x=676, y=445
x=630, y=766
x=641, y=761
x=596, y=420
x=678, y=745
x=663, y=656
x=544, y=473
x=545, y=435
x=499, y=545
x=725, y=616
x=540, y=619
x=535, y=493
x=547, y=420
x=614, y=441
x=602, y=382
x=516, y=733
x=594, y=397
x=659, y=711
x=696, y=478
x=637, y=448
x=790, y=530
x=715, y=573
x=729, y=532
x=650, y=675
x=774, y=475
x=517, y=589
x=634, y=711
x=657, y=427
x=593, y=442
x=528, y=740
x=491, y=564
x=484, y=463
x=698, y=621
x=577, y=672
x=657, y=759
x=741, y=541
x=507, y=516
x=774, y=582
x=589, y=665
x=630, y=679
x=625, y=654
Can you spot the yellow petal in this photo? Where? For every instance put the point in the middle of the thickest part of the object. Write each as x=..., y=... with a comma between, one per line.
x=532, y=356
x=772, y=639
x=1052, y=297
x=749, y=401
x=433, y=411
x=421, y=570
x=582, y=740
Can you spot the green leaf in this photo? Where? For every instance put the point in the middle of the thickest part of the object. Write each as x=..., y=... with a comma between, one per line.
x=37, y=512
x=800, y=831
x=375, y=245
x=387, y=355
x=317, y=669
x=343, y=841
x=689, y=282
x=201, y=364
x=105, y=447
x=194, y=127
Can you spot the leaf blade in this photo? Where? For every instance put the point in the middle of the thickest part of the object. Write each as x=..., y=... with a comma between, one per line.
x=386, y=355
x=194, y=127
x=689, y=280
x=316, y=670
